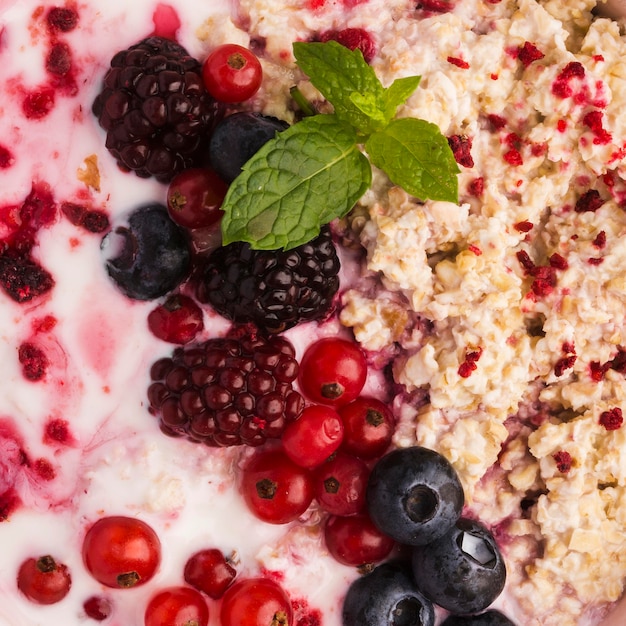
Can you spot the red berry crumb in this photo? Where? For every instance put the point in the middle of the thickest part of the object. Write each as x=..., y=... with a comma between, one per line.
x=497, y=122
x=513, y=157
x=353, y=38
x=98, y=608
x=33, y=360
x=563, y=364
x=563, y=461
x=558, y=262
x=62, y=19
x=469, y=364
x=593, y=120
x=435, y=6
x=600, y=240
x=37, y=104
x=590, y=201
x=6, y=158
x=9, y=502
x=528, y=52
x=612, y=419
x=461, y=146
x=524, y=227
x=561, y=86
x=461, y=63
x=91, y=220
x=476, y=187
x=57, y=431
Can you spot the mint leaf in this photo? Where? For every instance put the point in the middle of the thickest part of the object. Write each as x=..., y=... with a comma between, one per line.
x=305, y=177
x=338, y=72
x=397, y=94
x=367, y=104
x=416, y=156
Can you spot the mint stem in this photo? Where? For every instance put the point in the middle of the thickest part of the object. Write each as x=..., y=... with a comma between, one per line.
x=303, y=104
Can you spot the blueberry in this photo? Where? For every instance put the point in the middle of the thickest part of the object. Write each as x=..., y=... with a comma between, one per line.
x=414, y=495
x=387, y=596
x=463, y=571
x=149, y=256
x=488, y=618
x=237, y=138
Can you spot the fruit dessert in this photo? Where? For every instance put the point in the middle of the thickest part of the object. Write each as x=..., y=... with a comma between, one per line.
x=312, y=312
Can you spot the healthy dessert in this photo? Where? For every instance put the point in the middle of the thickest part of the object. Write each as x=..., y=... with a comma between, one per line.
x=312, y=312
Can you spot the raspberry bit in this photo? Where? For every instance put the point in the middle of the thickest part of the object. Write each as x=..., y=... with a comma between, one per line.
x=476, y=187
x=91, y=220
x=464, y=65
x=497, y=122
x=33, y=360
x=461, y=146
x=528, y=53
x=23, y=280
x=600, y=240
x=563, y=460
x=523, y=227
x=6, y=158
x=593, y=120
x=61, y=19
x=435, y=6
x=561, y=86
x=469, y=365
x=563, y=364
x=611, y=419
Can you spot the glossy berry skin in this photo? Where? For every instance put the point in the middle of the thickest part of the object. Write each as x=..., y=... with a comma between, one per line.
x=210, y=572
x=121, y=552
x=488, y=618
x=353, y=38
x=340, y=484
x=414, y=495
x=355, y=541
x=256, y=602
x=332, y=371
x=43, y=580
x=232, y=73
x=463, y=571
x=275, y=489
x=149, y=256
x=177, y=606
x=368, y=427
x=387, y=596
x=314, y=436
x=237, y=138
x=178, y=320
x=195, y=196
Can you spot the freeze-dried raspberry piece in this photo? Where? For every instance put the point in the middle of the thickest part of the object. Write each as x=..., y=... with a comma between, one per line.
x=461, y=146
x=563, y=461
x=528, y=53
x=589, y=201
x=611, y=419
x=23, y=279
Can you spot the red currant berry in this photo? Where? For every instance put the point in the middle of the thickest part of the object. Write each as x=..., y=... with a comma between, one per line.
x=210, y=571
x=314, y=436
x=340, y=484
x=368, y=427
x=43, y=580
x=333, y=371
x=355, y=540
x=177, y=320
x=121, y=552
x=256, y=602
x=195, y=196
x=276, y=489
x=177, y=606
x=97, y=608
x=232, y=73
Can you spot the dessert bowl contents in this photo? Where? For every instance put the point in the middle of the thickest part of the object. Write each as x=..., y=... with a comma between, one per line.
x=423, y=251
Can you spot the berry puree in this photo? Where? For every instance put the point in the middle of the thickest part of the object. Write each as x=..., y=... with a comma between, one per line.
x=194, y=432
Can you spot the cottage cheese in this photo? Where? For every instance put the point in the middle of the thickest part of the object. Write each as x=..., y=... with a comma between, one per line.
x=501, y=317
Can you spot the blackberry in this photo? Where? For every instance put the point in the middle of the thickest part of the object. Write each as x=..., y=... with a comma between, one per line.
x=155, y=109
x=227, y=391
x=273, y=289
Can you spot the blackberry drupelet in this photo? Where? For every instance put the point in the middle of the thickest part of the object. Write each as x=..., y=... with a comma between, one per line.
x=227, y=391
x=155, y=109
x=273, y=289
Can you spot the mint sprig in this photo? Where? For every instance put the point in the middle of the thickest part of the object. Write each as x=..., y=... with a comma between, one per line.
x=316, y=171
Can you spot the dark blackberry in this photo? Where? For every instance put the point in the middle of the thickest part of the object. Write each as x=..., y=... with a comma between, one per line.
x=273, y=289
x=227, y=391
x=155, y=109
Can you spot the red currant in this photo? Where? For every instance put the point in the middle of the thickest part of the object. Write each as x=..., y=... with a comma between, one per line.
x=333, y=371
x=368, y=427
x=178, y=320
x=340, y=484
x=195, y=196
x=355, y=540
x=43, y=580
x=314, y=436
x=97, y=608
x=121, y=552
x=232, y=73
x=256, y=602
x=276, y=489
x=177, y=606
x=210, y=571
